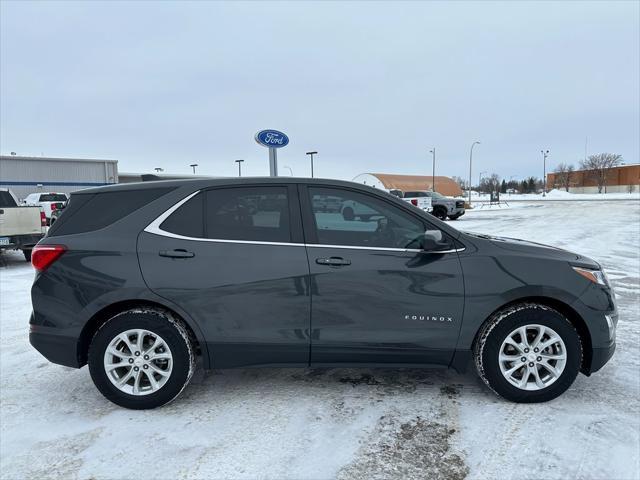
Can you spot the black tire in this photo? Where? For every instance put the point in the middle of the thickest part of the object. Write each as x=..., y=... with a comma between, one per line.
x=454, y=217
x=161, y=323
x=440, y=213
x=27, y=254
x=496, y=330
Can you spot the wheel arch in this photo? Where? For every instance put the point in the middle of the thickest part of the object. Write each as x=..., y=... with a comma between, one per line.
x=101, y=317
x=565, y=309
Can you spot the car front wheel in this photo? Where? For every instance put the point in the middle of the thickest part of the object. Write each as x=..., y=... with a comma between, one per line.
x=141, y=358
x=528, y=353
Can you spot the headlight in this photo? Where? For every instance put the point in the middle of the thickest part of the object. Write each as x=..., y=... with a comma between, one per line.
x=595, y=276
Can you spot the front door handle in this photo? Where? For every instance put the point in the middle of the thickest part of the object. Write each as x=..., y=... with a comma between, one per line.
x=177, y=253
x=333, y=261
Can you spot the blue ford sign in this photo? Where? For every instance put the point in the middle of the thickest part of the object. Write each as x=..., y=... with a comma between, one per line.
x=272, y=139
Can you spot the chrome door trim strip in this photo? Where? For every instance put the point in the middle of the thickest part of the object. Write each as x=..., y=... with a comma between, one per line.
x=154, y=228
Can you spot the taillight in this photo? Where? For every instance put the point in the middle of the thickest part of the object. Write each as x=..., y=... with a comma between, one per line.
x=414, y=201
x=43, y=256
x=54, y=206
x=43, y=219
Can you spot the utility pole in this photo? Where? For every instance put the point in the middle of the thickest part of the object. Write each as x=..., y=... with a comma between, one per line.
x=194, y=165
x=433, y=173
x=239, y=162
x=470, y=163
x=545, y=154
x=311, y=154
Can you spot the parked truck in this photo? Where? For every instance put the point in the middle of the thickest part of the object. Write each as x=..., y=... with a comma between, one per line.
x=21, y=227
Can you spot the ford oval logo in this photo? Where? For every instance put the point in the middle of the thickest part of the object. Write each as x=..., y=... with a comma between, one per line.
x=272, y=139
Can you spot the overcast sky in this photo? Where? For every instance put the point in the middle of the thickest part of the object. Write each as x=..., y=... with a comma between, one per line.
x=371, y=86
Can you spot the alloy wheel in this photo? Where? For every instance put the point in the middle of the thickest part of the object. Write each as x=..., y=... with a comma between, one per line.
x=138, y=362
x=532, y=357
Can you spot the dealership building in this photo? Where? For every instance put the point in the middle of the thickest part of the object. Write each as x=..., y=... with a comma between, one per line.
x=621, y=179
x=25, y=175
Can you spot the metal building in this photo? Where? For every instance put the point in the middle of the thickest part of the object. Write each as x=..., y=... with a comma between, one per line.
x=25, y=175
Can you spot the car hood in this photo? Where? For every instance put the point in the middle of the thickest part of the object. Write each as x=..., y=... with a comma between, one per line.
x=533, y=248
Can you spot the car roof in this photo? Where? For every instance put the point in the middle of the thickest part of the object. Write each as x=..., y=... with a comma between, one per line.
x=219, y=181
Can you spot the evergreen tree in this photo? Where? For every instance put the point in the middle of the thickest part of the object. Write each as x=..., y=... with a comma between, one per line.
x=503, y=187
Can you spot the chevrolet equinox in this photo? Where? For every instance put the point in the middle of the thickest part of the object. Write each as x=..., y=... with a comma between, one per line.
x=140, y=280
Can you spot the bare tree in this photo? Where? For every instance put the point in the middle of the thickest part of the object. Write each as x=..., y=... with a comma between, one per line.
x=490, y=183
x=598, y=166
x=460, y=181
x=563, y=174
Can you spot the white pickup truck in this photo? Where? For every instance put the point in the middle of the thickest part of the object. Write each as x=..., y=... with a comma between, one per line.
x=21, y=227
x=422, y=202
x=49, y=201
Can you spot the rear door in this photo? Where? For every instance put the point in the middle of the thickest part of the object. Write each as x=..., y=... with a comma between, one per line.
x=234, y=259
x=377, y=296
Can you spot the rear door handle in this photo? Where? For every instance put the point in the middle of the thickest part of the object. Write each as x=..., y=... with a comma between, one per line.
x=177, y=253
x=333, y=261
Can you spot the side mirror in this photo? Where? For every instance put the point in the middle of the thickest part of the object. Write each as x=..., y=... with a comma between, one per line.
x=433, y=240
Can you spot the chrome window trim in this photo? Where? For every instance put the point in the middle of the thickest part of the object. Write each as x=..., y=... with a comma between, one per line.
x=154, y=228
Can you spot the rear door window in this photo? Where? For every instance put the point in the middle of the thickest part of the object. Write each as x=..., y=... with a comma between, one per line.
x=248, y=213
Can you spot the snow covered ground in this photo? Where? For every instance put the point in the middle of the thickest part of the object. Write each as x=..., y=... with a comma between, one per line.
x=556, y=195
x=344, y=423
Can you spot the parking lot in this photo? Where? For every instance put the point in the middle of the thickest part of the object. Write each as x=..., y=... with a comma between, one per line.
x=344, y=423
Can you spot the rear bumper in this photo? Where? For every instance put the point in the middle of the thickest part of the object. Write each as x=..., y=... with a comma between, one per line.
x=58, y=349
x=23, y=241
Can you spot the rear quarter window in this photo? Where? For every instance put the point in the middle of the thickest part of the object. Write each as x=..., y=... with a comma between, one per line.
x=89, y=212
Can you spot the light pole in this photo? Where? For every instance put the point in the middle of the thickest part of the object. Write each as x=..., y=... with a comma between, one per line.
x=311, y=154
x=433, y=173
x=545, y=154
x=158, y=169
x=470, y=163
x=290, y=171
x=194, y=165
x=239, y=162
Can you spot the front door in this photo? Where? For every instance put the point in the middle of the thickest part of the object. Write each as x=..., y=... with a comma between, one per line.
x=377, y=297
x=233, y=258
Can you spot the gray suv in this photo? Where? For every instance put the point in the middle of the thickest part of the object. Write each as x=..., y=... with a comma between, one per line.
x=443, y=207
x=260, y=271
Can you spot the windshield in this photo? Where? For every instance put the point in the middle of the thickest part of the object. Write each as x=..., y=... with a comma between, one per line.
x=435, y=195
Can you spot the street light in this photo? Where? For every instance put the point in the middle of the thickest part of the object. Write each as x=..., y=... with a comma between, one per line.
x=158, y=169
x=194, y=165
x=470, y=163
x=545, y=154
x=433, y=173
x=311, y=154
x=239, y=162
x=290, y=171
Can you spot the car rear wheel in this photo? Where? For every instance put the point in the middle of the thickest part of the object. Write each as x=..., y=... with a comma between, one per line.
x=528, y=353
x=141, y=358
x=27, y=254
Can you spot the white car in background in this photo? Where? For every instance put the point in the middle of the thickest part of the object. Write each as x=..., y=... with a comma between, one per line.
x=49, y=201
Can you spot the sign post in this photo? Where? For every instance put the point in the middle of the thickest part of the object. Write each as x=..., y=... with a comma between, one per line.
x=272, y=139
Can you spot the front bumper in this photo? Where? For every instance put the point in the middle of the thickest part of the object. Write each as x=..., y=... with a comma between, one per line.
x=600, y=356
